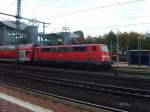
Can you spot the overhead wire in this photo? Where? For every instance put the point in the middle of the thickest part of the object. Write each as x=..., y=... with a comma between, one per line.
x=40, y=6
x=118, y=25
x=56, y=7
x=103, y=7
x=67, y=4
x=95, y=8
x=116, y=4
x=135, y=17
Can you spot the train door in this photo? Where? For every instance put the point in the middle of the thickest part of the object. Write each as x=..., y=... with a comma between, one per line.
x=22, y=55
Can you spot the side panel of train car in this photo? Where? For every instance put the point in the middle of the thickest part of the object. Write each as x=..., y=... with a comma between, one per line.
x=23, y=53
x=94, y=54
x=7, y=53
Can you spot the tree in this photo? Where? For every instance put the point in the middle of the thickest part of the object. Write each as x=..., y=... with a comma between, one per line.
x=123, y=42
x=145, y=41
x=88, y=40
x=133, y=40
x=99, y=40
x=81, y=35
x=111, y=39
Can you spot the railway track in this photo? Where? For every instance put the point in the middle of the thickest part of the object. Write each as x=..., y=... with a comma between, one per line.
x=115, y=71
x=86, y=85
x=92, y=91
x=84, y=76
x=135, y=68
x=92, y=106
x=135, y=71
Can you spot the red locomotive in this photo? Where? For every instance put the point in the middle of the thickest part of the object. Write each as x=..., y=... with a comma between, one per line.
x=91, y=54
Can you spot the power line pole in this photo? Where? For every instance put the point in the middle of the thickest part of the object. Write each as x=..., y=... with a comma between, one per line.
x=18, y=16
x=117, y=52
x=44, y=32
x=118, y=48
x=66, y=34
x=139, y=49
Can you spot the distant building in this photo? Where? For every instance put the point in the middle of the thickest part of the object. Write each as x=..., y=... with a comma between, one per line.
x=28, y=33
x=60, y=38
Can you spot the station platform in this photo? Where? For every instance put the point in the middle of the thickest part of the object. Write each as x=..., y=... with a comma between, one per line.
x=6, y=106
x=12, y=100
x=126, y=65
x=18, y=100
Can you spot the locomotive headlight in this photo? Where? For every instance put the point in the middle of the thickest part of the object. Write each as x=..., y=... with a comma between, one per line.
x=104, y=56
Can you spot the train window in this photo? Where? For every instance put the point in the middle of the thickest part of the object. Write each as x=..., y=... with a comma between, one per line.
x=54, y=49
x=81, y=49
x=28, y=52
x=60, y=49
x=63, y=49
x=69, y=49
x=104, y=48
x=45, y=49
x=94, y=48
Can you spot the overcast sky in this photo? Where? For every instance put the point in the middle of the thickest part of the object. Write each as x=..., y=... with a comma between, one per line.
x=93, y=17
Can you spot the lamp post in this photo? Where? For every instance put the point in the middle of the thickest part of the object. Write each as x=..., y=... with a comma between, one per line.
x=139, y=43
x=111, y=50
x=117, y=48
x=139, y=48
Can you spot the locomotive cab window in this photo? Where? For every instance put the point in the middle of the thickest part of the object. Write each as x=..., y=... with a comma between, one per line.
x=104, y=48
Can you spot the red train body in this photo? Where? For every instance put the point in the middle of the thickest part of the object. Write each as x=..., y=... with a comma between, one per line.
x=96, y=54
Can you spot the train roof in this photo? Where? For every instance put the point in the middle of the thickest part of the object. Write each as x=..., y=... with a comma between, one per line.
x=28, y=46
x=70, y=45
x=9, y=47
x=12, y=47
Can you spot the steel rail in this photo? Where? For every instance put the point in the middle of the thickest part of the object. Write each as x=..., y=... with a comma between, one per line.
x=66, y=98
x=85, y=85
x=64, y=87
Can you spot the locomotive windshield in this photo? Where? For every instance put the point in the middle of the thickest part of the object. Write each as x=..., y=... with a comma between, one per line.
x=104, y=48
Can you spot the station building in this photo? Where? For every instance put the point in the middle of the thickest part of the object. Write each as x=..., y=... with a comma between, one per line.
x=8, y=34
x=61, y=38
x=29, y=35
